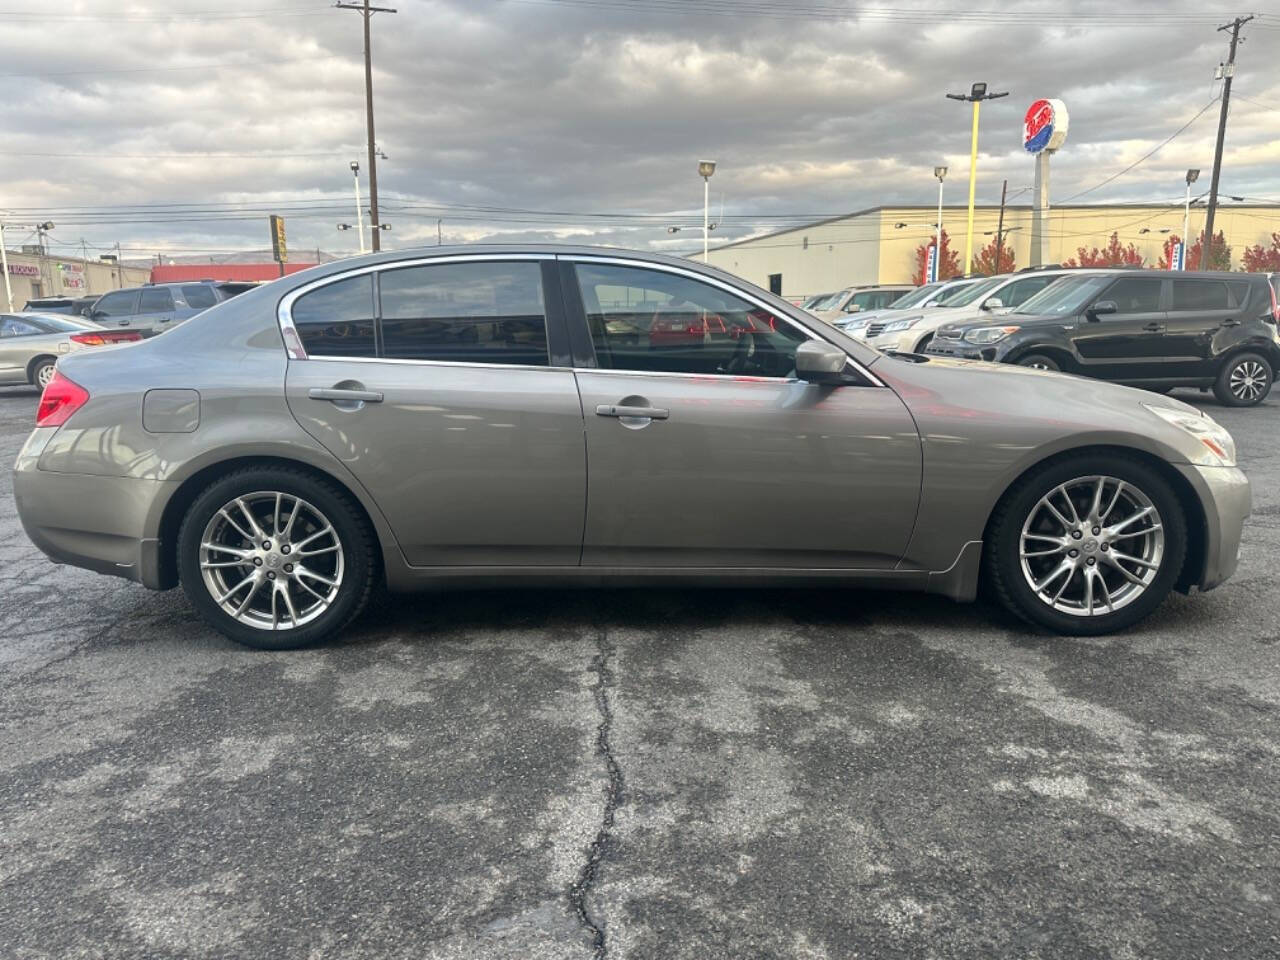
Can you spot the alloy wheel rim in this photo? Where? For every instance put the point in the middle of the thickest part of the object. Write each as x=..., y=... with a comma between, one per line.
x=271, y=560
x=1091, y=546
x=44, y=375
x=1248, y=380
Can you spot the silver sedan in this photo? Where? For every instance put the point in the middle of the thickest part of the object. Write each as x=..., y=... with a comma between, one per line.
x=504, y=416
x=31, y=343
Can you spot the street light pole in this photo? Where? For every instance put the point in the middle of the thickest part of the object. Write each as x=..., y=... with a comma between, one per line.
x=355, y=175
x=941, y=174
x=977, y=93
x=1192, y=176
x=705, y=169
x=4, y=264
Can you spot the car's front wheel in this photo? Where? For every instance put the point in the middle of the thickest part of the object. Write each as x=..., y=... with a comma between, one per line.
x=275, y=558
x=1038, y=361
x=1244, y=380
x=1087, y=545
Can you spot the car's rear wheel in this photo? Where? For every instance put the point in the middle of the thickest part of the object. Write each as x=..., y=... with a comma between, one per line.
x=1244, y=380
x=43, y=371
x=1087, y=545
x=275, y=558
x=1038, y=361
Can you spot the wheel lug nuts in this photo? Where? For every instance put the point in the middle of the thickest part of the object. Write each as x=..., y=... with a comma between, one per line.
x=1105, y=548
x=271, y=576
x=266, y=544
x=1076, y=534
x=1091, y=561
x=1096, y=531
x=284, y=549
x=257, y=561
x=288, y=568
x=1075, y=553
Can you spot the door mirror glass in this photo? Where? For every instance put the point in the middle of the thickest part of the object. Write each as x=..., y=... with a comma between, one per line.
x=1102, y=308
x=993, y=303
x=820, y=362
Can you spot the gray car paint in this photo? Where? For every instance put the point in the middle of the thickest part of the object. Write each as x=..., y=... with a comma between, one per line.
x=18, y=355
x=949, y=436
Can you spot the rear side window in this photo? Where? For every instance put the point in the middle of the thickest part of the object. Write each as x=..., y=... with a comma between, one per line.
x=1200, y=295
x=1134, y=295
x=119, y=304
x=465, y=313
x=155, y=301
x=337, y=320
x=199, y=297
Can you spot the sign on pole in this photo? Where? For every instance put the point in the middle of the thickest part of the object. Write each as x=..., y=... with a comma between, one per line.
x=931, y=264
x=1178, y=260
x=279, y=251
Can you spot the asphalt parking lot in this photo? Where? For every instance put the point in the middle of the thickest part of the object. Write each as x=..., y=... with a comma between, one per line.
x=643, y=774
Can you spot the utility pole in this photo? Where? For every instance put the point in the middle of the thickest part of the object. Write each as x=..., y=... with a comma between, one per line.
x=367, y=11
x=119, y=268
x=439, y=235
x=1234, y=26
x=1004, y=189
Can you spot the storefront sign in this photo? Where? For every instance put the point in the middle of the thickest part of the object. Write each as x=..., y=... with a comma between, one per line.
x=72, y=275
x=24, y=270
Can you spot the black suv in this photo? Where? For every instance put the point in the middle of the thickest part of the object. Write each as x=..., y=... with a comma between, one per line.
x=1147, y=329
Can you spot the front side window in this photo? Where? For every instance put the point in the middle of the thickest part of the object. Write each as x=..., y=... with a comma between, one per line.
x=1020, y=291
x=465, y=313
x=1134, y=295
x=120, y=304
x=199, y=296
x=973, y=293
x=1199, y=295
x=649, y=320
x=337, y=320
x=1068, y=296
x=155, y=301
x=15, y=327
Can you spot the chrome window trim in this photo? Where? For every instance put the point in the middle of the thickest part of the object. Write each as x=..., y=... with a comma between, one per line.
x=284, y=310
x=728, y=288
x=741, y=378
x=406, y=361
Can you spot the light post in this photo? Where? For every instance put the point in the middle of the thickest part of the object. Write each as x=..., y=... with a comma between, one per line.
x=977, y=93
x=705, y=169
x=355, y=176
x=941, y=174
x=4, y=265
x=1192, y=177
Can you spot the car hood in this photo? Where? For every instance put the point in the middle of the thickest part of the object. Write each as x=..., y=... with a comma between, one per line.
x=969, y=322
x=1017, y=413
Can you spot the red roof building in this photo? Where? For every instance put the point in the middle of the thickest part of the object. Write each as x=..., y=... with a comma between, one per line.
x=245, y=272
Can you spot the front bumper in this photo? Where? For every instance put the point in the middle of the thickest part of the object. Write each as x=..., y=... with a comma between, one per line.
x=96, y=522
x=1226, y=498
x=960, y=350
x=903, y=341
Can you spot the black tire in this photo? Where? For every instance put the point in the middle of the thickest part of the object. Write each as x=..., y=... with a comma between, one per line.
x=1002, y=560
x=923, y=345
x=350, y=528
x=40, y=369
x=1244, y=380
x=1039, y=361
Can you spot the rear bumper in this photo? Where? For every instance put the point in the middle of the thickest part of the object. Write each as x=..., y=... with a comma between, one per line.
x=1227, y=500
x=99, y=523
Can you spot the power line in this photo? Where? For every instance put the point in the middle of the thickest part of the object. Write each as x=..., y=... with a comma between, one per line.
x=1147, y=156
x=200, y=66
x=40, y=16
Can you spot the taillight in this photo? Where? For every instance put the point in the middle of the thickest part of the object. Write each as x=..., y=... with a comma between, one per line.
x=61, y=398
x=1275, y=307
x=108, y=337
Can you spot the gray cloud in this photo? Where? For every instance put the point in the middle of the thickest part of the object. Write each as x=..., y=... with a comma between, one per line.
x=540, y=106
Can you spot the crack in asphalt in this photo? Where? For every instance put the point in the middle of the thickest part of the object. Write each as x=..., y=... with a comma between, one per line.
x=613, y=798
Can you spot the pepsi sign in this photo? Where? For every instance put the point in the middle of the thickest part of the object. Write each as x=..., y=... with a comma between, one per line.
x=1045, y=126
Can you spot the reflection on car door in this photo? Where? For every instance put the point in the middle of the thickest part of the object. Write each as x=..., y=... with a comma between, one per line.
x=438, y=394
x=709, y=453
x=1200, y=310
x=1125, y=345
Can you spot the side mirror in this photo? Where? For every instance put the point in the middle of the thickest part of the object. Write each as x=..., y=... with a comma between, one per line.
x=97, y=314
x=852, y=308
x=1102, y=308
x=993, y=303
x=820, y=362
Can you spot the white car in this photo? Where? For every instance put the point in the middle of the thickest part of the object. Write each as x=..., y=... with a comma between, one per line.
x=930, y=295
x=994, y=296
x=857, y=299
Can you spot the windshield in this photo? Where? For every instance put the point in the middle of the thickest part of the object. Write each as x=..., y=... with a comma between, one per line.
x=1064, y=297
x=829, y=301
x=975, y=292
x=816, y=299
x=916, y=297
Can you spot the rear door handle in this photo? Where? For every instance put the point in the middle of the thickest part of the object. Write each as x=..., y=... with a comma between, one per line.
x=348, y=396
x=648, y=413
x=1231, y=323
x=1154, y=327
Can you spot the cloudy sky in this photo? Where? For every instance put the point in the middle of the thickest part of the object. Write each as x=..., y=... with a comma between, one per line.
x=177, y=127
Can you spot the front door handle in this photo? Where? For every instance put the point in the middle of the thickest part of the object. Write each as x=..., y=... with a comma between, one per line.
x=1154, y=327
x=646, y=413
x=1233, y=322
x=340, y=395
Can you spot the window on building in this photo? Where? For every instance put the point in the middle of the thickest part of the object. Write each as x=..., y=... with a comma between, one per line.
x=336, y=320
x=465, y=313
x=775, y=284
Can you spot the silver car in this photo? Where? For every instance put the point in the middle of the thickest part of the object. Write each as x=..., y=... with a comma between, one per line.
x=456, y=417
x=31, y=343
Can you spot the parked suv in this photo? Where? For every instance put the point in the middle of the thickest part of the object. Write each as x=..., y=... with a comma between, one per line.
x=856, y=299
x=1151, y=330
x=155, y=307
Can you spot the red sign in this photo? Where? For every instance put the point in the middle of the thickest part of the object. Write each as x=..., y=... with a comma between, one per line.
x=24, y=270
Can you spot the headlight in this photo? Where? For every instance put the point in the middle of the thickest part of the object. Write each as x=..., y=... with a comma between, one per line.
x=988, y=334
x=1219, y=450
x=854, y=324
x=896, y=326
